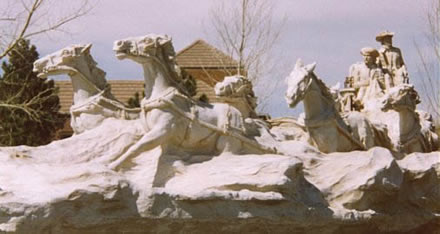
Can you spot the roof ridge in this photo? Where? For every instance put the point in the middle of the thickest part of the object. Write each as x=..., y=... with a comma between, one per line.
x=189, y=46
x=206, y=53
x=219, y=51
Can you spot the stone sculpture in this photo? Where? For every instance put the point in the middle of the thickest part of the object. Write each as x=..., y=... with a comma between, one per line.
x=375, y=126
x=173, y=119
x=367, y=79
x=391, y=59
x=185, y=166
x=322, y=119
x=92, y=98
x=412, y=137
x=237, y=91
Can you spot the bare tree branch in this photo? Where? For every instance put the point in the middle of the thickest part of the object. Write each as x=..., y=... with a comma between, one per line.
x=8, y=19
x=248, y=33
x=82, y=11
x=26, y=18
x=430, y=59
x=31, y=12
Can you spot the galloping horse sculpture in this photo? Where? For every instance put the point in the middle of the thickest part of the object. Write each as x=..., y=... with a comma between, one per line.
x=237, y=91
x=412, y=135
x=180, y=120
x=170, y=117
x=328, y=130
x=93, y=101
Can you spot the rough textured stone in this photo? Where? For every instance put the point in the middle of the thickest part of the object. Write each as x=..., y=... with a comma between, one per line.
x=188, y=167
x=310, y=192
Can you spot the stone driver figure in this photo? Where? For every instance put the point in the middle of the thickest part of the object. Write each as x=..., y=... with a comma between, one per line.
x=391, y=59
x=367, y=78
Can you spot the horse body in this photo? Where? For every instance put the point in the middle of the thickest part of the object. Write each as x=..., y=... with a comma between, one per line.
x=411, y=131
x=322, y=121
x=191, y=126
x=93, y=101
x=173, y=120
x=328, y=130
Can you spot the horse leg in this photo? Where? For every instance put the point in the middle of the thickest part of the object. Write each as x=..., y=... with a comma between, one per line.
x=364, y=133
x=418, y=146
x=85, y=121
x=150, y=140
x=326, y=139
x=227, y=144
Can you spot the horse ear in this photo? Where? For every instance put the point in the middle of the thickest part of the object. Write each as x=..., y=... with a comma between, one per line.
x=161, y=40
x=299, y=63
x=311, y=67
x=167, y=38
x=86, y=49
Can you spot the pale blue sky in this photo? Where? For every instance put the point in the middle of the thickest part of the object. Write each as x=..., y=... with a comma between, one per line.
x=330, y=33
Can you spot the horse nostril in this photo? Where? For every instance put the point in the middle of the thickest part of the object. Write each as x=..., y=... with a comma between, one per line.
x=119, y=43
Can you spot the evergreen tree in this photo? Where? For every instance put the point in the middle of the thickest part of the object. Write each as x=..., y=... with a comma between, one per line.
x=28, y=105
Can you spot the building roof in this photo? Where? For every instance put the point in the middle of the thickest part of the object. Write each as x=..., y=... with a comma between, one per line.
x=121, y=89
x=200, y=54
x=196, y=57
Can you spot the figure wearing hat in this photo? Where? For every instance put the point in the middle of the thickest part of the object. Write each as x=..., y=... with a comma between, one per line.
x=367, y=78
x=391, y=59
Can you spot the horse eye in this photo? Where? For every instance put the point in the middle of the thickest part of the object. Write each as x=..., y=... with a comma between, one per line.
x=65, y=52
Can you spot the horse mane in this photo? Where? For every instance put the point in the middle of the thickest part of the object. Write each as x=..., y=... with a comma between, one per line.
x=325, y=90
x=168, y=57
x=96, y=72
x=98, y=75
x=331, y=101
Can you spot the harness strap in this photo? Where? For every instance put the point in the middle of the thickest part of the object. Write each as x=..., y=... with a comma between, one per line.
x=96, y=99
x=164, y=102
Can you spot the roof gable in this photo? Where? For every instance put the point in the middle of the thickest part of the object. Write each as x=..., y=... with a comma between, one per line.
x=200, y=54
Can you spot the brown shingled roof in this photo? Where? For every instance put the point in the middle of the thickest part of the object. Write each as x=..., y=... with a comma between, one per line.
x=121, y=89
x=200, y=54
x=197, y=58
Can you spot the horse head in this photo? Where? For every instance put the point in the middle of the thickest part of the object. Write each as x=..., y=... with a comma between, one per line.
x=401, y=97
x=152, y=51
x=234, y=86
x=298, y=82
x=145, y=48
x=72, y=60
x=239, y=89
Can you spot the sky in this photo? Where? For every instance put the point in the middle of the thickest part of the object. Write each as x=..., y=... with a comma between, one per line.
x=330, y=33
